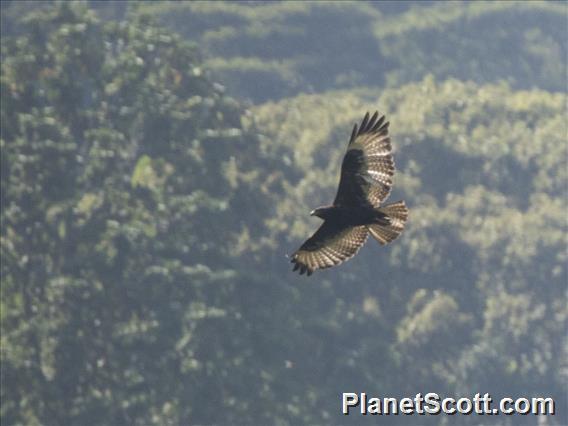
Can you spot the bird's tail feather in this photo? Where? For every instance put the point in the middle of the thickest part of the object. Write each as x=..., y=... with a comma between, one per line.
x=398, y=214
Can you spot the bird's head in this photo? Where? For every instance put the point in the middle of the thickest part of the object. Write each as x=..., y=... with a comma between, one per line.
x=319, y=212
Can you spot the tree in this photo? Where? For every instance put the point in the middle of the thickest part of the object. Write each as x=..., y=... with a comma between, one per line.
x=122, y=166
x=145, y=216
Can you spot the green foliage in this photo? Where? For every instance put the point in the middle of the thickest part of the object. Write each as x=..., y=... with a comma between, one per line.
x=526, y=54
x=482, y=262
x=266, y=52
x=145, y=214
x=283, y=48
x=117, y=219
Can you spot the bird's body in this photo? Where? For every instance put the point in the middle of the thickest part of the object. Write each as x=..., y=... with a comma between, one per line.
x=366, y=181
x=352, y=216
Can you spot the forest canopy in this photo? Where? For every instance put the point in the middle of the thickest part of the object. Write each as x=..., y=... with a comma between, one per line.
x=159, y=160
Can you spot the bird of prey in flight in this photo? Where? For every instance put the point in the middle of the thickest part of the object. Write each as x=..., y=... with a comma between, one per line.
x=356, y=212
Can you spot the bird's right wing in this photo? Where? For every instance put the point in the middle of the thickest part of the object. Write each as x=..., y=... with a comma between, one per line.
x=329, y=246
x=368, y=165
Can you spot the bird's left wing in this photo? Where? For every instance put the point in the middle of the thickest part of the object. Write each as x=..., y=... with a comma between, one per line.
x=368, y=165
x=329, y=246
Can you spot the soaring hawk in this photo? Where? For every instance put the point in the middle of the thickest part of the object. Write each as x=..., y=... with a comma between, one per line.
x=366, y=181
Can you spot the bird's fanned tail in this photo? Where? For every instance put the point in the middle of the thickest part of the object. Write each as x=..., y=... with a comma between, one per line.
x=398, y=214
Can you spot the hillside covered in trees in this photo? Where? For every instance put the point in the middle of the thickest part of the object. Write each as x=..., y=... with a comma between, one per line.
x=159, y=160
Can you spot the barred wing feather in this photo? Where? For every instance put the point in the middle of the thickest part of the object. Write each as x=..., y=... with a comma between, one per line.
x=329, y=246
x=368, y=165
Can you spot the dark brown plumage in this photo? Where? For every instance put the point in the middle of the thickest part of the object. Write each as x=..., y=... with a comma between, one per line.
x=366, y=181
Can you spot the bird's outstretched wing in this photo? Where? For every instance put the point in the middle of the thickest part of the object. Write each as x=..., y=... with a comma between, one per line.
x=368, y=165
x=329, y=246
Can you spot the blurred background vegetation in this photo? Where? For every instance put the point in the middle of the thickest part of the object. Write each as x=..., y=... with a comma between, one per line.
x=158, y=160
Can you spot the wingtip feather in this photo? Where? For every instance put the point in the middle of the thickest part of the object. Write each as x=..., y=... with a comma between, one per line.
x=371, y=122
x=379, y=124
x=353, y=133
x=364, y=123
